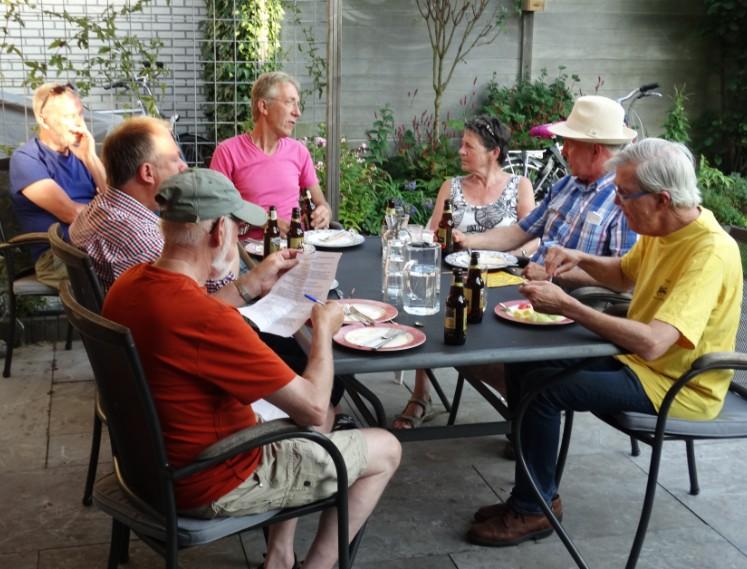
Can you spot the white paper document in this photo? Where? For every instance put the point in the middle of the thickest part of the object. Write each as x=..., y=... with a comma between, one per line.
x=285, y=309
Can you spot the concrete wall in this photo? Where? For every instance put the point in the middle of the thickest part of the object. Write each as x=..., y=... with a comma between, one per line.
x=386, y=56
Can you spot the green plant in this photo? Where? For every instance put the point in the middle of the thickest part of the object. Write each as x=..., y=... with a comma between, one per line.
x=529, y=103
x=677, y=124
x=365, y=187
x=725, y=195
x=722, y=134
x=242, y=41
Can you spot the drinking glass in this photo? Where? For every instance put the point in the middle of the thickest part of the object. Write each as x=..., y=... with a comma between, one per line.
x=421, y=279
x=393, y=263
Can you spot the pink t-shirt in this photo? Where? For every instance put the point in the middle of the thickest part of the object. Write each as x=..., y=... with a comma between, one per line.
x=266, y=180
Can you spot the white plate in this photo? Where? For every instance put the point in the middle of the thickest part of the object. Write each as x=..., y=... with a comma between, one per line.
x=488, y=259
x=333, y=238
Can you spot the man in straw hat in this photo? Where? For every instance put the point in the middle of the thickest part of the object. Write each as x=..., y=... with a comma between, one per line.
x=676, y=316
x=205, y=367
x=578, y=212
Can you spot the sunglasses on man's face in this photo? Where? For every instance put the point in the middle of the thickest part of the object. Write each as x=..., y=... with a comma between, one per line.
x=57, y=90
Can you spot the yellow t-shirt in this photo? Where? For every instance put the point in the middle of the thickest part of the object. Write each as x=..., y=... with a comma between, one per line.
x=692, y=280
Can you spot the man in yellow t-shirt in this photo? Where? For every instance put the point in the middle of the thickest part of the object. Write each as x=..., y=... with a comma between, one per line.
x=686, y=277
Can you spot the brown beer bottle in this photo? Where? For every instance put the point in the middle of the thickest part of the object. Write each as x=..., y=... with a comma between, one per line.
x=455, y=319
x=307, y=208
x=445, y=229
x=295, y=233
x=272, y=232
x=475, y=290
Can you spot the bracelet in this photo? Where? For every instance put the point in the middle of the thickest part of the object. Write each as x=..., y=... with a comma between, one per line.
x=243, y=293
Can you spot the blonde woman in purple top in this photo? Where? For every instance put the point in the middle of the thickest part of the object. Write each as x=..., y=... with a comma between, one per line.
x=486, y=197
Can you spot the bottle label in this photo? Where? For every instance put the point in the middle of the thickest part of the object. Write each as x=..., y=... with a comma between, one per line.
x=468, y=297
x=295, y=243
x=275, y=244
x=450, y=323
x=463, y=321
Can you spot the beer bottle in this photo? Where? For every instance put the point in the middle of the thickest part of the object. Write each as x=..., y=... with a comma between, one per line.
x=307, y=208
x=475, y=291
x=272, y=232
x=295, y=233
x=455, y=320
x=445, y=228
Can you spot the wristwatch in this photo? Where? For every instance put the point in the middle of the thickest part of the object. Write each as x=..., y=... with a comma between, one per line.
x=243, y=293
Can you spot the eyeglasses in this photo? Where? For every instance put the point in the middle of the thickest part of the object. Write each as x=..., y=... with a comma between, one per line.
x=631, y=197
x=58, y=89
x=288, y=103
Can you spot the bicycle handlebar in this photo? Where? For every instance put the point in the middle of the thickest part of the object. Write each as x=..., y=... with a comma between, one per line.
x=648, y=87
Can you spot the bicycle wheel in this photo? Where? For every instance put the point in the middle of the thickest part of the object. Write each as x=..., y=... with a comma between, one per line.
x=543, y=173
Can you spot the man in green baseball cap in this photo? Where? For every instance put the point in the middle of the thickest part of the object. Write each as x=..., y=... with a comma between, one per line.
x=205, y=368
x=198, y=194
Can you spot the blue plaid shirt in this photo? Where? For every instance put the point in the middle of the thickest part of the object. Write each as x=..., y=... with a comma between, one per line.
x=583, y=217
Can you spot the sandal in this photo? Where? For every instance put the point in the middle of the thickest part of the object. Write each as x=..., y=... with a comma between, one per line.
x=415, y=421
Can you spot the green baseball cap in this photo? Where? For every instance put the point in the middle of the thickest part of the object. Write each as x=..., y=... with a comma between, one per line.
x=198, y=194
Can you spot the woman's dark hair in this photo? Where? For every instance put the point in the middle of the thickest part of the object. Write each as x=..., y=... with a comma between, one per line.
x=493, y=134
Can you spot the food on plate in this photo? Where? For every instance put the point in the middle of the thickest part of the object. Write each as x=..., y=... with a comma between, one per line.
x=525, y=311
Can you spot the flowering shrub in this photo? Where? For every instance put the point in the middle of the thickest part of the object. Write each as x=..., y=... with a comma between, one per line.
x=365, y=187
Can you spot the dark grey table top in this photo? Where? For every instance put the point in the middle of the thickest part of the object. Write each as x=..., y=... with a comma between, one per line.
x=493, y=340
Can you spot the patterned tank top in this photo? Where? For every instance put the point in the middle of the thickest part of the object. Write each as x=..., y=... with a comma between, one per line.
x=470, y=218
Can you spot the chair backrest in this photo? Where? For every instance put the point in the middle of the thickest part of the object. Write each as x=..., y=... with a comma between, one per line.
x=135, y=431
x=84, y=280
x=740, y=375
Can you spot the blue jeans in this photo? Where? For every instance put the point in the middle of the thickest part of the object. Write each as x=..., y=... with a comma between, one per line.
x=603, y=384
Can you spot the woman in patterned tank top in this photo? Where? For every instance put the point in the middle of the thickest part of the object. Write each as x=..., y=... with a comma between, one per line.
x=485, y=198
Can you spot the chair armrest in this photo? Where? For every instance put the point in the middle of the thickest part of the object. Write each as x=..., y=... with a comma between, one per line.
x=720, y=360
x=25, y=239
x=254, y=437
x=707, y=362
x=593, y=294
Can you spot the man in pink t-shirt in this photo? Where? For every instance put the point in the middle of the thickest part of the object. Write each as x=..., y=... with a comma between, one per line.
x=266, y=165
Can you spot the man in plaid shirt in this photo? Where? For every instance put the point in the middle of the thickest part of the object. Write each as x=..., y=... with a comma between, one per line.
x=119, y=228
x=579, y=212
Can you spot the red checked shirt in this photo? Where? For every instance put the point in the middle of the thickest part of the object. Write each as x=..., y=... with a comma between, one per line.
x=118, y=232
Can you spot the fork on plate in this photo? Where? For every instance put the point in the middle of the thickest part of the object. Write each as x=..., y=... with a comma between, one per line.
x=387, y=337
x=351, y=310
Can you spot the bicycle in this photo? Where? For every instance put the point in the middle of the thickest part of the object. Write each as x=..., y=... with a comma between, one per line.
x=196, y=150
x=546, y=167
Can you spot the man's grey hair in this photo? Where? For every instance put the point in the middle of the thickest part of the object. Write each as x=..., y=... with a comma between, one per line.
x=265, y=87
x=185, y=234
x=662, y=166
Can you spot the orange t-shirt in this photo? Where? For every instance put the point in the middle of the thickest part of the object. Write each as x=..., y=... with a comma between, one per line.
x=205, y=366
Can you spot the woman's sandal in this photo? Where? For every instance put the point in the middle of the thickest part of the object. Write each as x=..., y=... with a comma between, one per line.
x=414, y=420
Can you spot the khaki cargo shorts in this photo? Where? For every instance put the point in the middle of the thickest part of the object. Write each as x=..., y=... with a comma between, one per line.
x=291, y=473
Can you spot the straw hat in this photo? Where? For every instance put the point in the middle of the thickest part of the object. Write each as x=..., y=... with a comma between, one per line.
x=595, y=119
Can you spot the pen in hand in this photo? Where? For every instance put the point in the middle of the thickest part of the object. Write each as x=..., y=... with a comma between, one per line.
x=313, y=299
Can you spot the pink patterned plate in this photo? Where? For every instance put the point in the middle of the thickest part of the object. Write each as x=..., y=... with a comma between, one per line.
x=364, y=338
x=521, y=311
x=374, y=309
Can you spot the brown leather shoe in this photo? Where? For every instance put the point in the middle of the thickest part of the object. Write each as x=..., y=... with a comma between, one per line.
x=510, y=528
x=487, y=512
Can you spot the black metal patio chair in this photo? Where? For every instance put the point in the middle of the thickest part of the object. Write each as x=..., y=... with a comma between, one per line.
x=89, y=293
x=139, y=494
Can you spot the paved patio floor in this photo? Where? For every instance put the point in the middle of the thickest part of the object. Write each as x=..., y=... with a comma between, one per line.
x=421, y=521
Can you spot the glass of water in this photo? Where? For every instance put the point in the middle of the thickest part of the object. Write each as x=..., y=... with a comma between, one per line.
x=421, y=278
x=394, y=263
